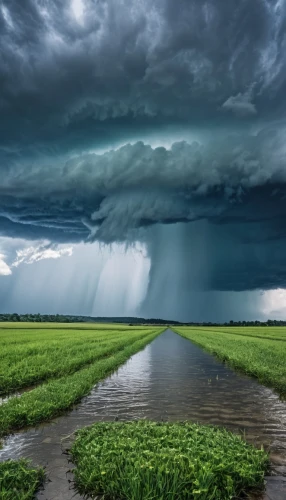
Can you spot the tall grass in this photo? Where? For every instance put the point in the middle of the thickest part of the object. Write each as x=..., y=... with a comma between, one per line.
x=163, y=461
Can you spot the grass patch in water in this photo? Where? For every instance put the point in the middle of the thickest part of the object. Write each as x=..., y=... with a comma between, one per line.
x=164, y=461
x=19, y=480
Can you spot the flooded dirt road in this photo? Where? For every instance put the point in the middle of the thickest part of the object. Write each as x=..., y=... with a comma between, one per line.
x=171, y=379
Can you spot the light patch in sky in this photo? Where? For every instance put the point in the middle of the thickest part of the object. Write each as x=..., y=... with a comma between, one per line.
x=4, y=268
x=34, y=254
x=274, y=303
x=6, y=15
x=123, y=281
x=240, y=104
x=77, y=7
x=95, y=280
x=165, y=138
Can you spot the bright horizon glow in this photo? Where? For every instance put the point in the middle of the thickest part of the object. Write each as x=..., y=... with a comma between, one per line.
x=274, y=303
x=95, y=279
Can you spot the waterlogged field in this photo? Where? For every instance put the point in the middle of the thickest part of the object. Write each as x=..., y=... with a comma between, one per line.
x=164, y=461
x=58, y=364
x=257, y=351
x=46, y=369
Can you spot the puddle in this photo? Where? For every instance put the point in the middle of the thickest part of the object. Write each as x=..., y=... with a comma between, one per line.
x=16, y=394
x=171, y=379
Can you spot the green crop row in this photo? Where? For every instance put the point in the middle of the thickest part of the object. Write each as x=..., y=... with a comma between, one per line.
x=54, y=353
x=268, y=332
x=259, y=357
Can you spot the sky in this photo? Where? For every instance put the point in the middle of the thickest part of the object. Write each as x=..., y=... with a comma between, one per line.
x=142, y=158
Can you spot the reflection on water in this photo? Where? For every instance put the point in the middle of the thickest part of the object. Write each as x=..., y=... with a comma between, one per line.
x=171, y=379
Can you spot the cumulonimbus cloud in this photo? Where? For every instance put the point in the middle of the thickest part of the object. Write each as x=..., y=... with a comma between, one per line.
x=235, y=179
x=73, y=82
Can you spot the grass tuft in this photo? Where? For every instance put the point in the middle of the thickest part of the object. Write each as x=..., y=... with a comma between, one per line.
x=19, y=480
x=165, y=461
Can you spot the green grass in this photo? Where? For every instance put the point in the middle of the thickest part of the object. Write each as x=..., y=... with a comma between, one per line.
x=19, y=480
x=53, y=397
x=255, y=351
x=163, y=461
x=29, y=356
x=264, y=332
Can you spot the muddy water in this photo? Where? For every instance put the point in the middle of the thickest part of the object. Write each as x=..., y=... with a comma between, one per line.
x=171, y=379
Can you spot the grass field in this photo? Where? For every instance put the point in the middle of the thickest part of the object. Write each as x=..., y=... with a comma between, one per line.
x=257, y=351
x=163, y=461
x=64, y=362
x=19, y=480
x=31, y=355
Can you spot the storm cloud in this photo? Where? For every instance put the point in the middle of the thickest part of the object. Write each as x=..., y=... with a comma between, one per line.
x=82, y=82
x=77, y=77
x=237, y=185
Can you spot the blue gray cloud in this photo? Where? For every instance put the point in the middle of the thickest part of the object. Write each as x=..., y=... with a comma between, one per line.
x=234, y=179
x=66, y=83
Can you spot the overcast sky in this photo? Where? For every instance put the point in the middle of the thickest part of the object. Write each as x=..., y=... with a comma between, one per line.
x=142, y=158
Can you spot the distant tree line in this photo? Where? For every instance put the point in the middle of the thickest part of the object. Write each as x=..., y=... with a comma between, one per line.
x=41, y=318
x=269, y=322
x=65, y=318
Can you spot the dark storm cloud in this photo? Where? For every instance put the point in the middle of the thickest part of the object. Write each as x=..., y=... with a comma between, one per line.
x=70, y=83
x=191, y=262
x=237, y=179
x=190, y=259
